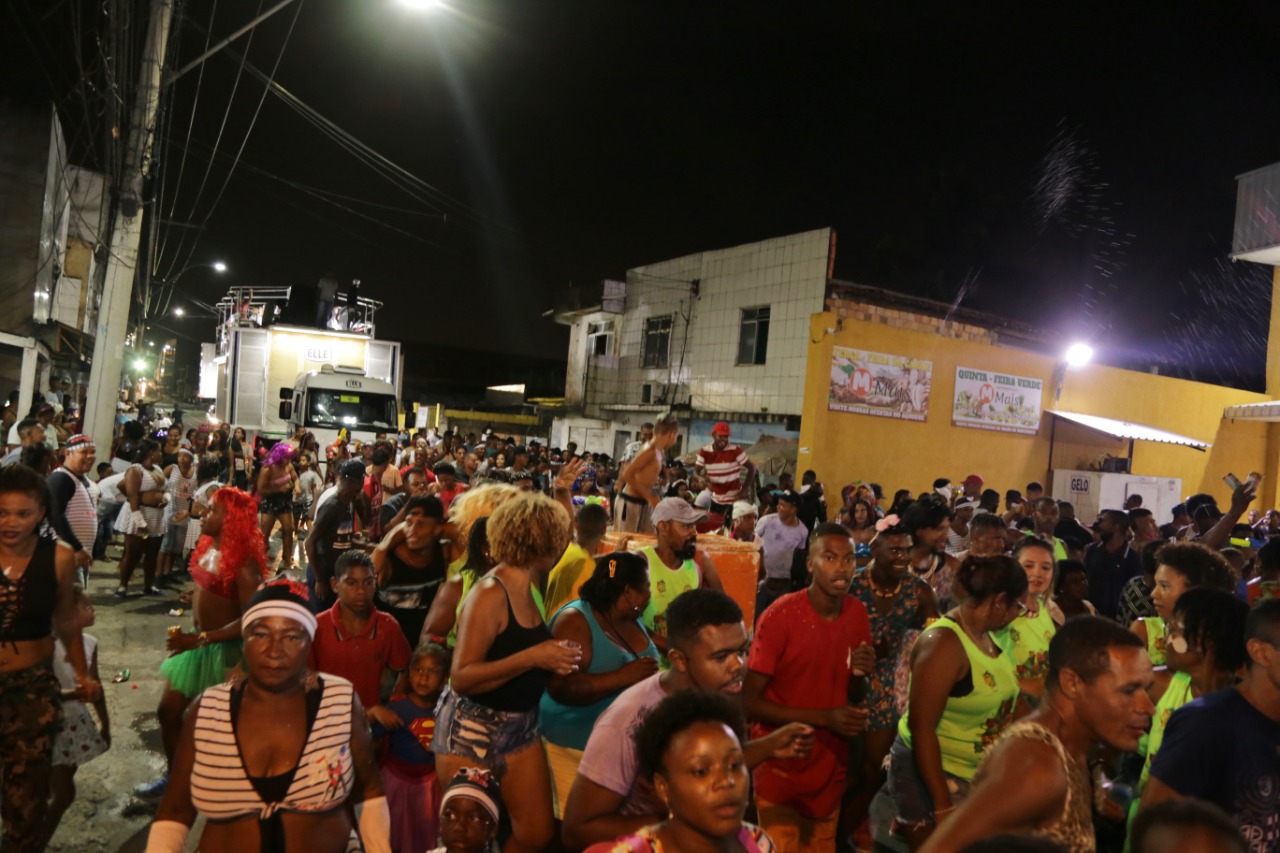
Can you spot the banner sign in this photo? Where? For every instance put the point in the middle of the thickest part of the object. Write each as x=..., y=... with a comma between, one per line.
x=876, y=383
x=997, y=401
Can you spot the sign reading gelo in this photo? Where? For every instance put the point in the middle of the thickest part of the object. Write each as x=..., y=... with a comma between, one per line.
x=313, y=353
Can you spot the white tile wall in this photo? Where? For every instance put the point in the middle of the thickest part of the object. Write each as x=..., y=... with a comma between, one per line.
x=786, y=273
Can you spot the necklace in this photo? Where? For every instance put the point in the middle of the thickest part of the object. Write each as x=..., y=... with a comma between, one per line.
x=979, y=640
x=617, y=636
x=878, y=592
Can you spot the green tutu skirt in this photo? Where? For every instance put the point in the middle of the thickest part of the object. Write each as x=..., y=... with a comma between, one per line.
x=192, y=671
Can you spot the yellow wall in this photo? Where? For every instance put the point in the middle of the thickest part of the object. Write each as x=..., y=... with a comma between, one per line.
x=842, y=447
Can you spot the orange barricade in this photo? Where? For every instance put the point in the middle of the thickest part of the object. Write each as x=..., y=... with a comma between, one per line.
x=738, y=563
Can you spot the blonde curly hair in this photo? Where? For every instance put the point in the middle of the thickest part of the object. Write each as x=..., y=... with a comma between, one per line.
x=528, y=528
x=475, y=504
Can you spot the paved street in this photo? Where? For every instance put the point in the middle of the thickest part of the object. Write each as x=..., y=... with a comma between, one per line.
x=131, y=633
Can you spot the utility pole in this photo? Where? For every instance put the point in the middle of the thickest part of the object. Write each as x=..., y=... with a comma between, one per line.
x=117, y=292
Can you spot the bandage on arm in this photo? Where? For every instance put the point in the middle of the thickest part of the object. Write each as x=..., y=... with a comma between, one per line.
x=374, y=819
x=170, y=836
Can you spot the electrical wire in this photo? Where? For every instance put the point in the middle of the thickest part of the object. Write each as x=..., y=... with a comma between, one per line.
x=204, y=181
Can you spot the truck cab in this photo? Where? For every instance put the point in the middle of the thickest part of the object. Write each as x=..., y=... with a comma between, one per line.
x=337, y=397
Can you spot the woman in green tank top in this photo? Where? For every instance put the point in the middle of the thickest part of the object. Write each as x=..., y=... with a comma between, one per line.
x=1026, y=640
x=1206, y=648
x=963, y=691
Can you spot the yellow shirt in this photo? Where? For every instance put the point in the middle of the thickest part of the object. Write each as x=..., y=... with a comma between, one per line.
x=568, y=575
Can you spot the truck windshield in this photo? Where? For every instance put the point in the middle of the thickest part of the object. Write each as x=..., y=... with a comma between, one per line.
x=351, y=409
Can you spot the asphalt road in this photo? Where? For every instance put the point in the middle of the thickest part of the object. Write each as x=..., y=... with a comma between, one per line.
x=131, y=635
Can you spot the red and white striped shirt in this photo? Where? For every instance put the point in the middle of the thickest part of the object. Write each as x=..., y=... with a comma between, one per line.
x=724, y=469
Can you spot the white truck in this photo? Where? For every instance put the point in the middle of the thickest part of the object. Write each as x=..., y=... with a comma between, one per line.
x=271, y=379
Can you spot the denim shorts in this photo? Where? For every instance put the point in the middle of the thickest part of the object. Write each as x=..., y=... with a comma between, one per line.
x=175, y=536
x=910, y=796
x=480, y=734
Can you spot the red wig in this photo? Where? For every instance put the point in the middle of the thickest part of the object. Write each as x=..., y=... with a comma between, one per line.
x=242, y=541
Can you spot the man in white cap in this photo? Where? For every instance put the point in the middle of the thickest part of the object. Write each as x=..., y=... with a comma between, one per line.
x=675, y=563
x=74, y=501
x=745, y=516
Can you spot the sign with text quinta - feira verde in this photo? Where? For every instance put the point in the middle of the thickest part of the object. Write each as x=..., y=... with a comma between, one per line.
x=988, y=400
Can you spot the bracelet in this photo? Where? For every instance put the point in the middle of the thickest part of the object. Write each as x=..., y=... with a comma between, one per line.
x=938, y=812
x=203, y=639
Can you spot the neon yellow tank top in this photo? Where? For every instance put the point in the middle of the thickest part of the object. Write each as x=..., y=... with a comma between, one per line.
x=665, y=585
x=1155, y=639
x=971, y=723
x=1026, y=640
x=1177, y=694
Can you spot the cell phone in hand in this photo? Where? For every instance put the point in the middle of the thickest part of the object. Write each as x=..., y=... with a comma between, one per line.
x=1254, y=478
x=1232, y=481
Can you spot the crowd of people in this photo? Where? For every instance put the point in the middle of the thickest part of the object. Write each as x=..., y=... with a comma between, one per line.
x=422, y=643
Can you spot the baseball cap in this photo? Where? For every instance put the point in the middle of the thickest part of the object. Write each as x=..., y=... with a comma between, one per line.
x=676, y=509
x=741, y=509
x=78, y=442
x=790, y=496
x=352, y=469
x=720, y=428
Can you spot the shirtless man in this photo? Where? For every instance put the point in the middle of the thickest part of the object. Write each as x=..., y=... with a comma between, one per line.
x=637, y=497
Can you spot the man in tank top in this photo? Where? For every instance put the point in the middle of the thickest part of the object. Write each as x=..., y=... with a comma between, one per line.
x=675, y=564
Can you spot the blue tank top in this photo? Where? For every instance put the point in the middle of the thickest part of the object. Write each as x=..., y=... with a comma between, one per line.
x=570, y=725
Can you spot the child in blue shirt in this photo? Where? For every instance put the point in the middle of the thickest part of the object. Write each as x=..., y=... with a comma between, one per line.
x=408, y=765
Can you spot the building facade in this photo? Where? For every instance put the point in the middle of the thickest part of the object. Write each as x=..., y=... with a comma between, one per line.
x=53, y=224
x=719, y=335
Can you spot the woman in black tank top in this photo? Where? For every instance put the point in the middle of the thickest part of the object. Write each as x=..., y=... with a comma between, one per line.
x=37, y=580
x=488, y=716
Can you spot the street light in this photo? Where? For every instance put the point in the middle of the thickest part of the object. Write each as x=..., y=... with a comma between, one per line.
x=139, y=365
x=178, y=312
x=219, y=266
x=1078, y=354
x=422, y=5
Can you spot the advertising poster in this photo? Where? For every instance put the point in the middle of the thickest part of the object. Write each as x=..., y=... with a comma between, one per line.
x=997, y=401
x=876, y=383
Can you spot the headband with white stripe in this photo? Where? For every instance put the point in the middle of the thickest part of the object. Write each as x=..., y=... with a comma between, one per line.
x=280, y=598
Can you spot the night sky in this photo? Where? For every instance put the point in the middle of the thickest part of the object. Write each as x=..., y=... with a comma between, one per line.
x=1070, y=165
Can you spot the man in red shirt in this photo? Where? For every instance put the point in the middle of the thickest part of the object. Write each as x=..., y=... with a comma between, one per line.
x=808, y=646
x=358, y=642
x=446, y=486
x=724, y=463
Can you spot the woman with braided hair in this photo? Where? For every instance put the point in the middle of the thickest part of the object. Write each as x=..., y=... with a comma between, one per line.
x=227, y=566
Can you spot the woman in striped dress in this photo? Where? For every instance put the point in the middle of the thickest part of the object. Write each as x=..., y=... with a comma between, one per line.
x=276, y=759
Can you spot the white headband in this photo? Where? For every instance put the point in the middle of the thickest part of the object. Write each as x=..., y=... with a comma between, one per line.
x=287, y=609
x=471, y=791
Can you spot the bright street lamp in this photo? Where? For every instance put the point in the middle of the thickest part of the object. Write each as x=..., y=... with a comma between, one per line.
x=139, y=365
x=219, y=266
x=1078, y=354
x=179, y=311
x=422, y=5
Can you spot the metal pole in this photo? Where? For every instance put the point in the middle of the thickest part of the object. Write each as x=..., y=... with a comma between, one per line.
x=170, y=78
x=117, y=291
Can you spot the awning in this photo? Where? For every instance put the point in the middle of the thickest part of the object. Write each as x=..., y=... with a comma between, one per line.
x=1268, y=411
x=1131, y=431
